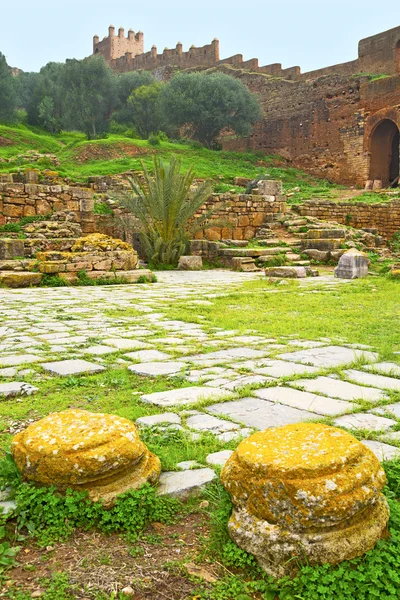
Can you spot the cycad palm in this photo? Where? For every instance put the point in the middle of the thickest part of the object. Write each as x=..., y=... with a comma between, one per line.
x=166, y=207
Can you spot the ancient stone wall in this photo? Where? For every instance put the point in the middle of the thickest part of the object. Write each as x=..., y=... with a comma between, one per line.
x=19, y=200
x=383, y=217
x=113, y=46
x=239, y=217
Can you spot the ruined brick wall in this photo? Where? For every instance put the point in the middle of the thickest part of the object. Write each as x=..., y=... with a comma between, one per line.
x=239, y=217
x=323, y=126
x=19, y=200
x=384, y=217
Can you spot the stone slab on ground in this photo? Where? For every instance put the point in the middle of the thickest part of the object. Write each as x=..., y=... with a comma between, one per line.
x=364, y=421
x=305, y=401
x=280, y=368
x=14, y=360
x=146, y=356
x=16, y=388
x=99, y=350
x=379, y=381
x=189, y=395
x=125, y=344
x=389, y=408
x=204, y=422
x=72, y=367
x=186, y=465
x=261, y=414
x=222, y=356
x=184, y=484
x=164, y=418
x=245, y=381
x=286, y=272
x=7, y=506
x=219, y=458
x=228, y=436
x=155, y=369
x=382, y=451
x=329, y=356
x=386, y=368
x=336, y=388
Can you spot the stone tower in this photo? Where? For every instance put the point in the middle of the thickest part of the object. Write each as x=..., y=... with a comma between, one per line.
x=115, y=46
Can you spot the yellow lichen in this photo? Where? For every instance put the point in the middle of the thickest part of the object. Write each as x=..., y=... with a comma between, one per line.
x=303, y=475
x=99, y=242
x=81, y=450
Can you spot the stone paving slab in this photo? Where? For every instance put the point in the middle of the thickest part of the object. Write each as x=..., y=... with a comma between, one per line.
x=382, y=451
x=261, y=414
x=305, y=401
x=99, y=350
x=146, y=356
x=336, y=388
x=189, y=395
x=389, y=408
x=125, y=344
x=219, y=458
x=14, y=360
x=164, y=418
x=155, y=369
x=280, y=368
x=365, y=421
x=204, y=422
x=72, y=367
x=16, y=388
x=228, y=436
x=378, y=381
x=183, y=484
x=329, y=356
x=386, y=368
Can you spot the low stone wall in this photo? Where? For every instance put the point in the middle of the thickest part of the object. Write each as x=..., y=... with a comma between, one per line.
x=19, y=200
x=238, y=217
x=383, y=217
x=112, y=260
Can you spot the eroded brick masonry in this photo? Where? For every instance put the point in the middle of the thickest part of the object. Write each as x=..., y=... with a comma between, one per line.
x=341, y=122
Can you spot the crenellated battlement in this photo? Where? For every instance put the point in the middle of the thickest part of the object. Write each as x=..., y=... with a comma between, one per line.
x=376, y=54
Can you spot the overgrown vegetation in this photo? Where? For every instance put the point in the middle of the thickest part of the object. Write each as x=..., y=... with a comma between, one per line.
x=165, y=206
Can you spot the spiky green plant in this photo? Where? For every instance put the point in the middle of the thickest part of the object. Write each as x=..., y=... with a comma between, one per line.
x=165, y=203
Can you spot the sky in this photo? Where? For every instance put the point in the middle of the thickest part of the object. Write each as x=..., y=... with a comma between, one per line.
x=308, y=33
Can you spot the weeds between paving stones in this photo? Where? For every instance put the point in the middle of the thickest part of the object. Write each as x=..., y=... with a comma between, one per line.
x=149, y=562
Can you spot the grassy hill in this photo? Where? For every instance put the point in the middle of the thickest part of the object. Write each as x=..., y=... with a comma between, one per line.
x=79, y=158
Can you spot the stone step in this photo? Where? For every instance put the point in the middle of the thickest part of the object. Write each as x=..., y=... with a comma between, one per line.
x=295, y=222
x=245, y=252
x=19, y=279
x=23, y=264
x=240, y=263
x=321, y=244
x=318, y=234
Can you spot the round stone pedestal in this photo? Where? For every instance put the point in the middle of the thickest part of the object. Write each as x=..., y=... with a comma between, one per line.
x=76, y=449
x=305, y=493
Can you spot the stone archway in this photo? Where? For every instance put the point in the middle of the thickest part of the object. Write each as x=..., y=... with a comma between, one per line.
x=385, y=157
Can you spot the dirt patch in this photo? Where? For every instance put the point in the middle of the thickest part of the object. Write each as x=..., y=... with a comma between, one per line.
x=98, y=563
x=108, y=151
x=5, y=141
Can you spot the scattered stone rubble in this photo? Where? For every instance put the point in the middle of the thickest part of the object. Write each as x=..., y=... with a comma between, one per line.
x=56, y=247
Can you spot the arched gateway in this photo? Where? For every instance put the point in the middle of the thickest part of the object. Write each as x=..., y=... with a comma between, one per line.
x=385, y=155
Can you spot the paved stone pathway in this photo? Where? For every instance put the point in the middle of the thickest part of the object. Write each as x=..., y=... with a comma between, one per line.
x=236, y=383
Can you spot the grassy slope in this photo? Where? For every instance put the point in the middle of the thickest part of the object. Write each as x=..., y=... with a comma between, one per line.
x=221, y=167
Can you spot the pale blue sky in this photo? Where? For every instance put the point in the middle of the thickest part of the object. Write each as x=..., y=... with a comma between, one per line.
x=308, y=33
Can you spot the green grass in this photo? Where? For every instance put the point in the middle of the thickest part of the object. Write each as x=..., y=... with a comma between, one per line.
x=219, y=166
x=362, y=312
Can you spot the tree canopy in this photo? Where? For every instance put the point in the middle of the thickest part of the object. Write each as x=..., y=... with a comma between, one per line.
x=8, y=97
x=209, y=103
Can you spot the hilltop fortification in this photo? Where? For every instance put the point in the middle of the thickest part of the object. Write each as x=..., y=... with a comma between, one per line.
x=340, y=122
